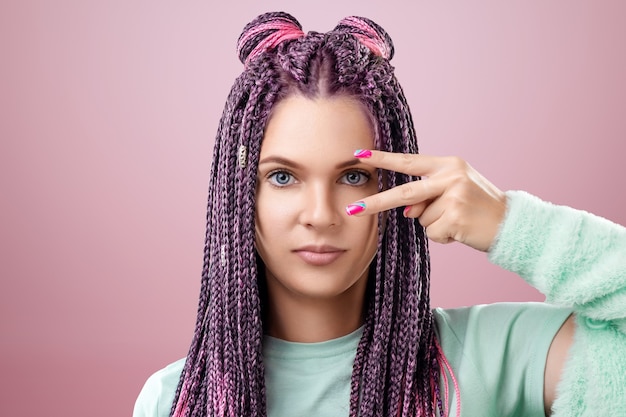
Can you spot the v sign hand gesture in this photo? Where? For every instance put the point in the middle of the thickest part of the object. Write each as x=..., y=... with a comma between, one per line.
x=452, y=200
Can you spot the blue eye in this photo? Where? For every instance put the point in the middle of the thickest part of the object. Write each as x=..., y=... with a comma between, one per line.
x=280, y=178
x=356, y=178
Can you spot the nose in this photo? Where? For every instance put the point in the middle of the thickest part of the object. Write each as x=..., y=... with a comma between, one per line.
x=321, y=208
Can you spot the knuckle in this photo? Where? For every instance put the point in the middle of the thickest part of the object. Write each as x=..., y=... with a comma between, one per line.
x=407, y=191
x=455, y=216
x=460, y=219
x=406, y=159
x=456, y=162
x=460, y=182
x=434, y=235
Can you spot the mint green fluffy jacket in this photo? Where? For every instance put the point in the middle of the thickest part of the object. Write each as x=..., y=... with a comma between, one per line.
x=578, y=260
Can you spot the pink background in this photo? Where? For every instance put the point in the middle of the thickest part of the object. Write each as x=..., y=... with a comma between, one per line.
x=108, y=110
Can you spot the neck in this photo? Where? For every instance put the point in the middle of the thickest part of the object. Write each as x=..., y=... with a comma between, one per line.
x=306, y=319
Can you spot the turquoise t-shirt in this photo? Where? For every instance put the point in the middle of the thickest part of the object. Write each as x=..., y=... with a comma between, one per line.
x=497, y=353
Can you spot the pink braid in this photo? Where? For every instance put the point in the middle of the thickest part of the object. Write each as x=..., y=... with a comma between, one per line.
x=285, y=31
x=446, y=368
x=183, y=399
x=373, y=42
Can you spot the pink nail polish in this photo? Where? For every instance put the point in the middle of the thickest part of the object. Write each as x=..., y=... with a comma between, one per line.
x=355, y=208
x=406, y=210
x=362, y=153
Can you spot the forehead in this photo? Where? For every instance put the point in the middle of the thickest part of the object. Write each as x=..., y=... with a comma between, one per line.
x=299, y=124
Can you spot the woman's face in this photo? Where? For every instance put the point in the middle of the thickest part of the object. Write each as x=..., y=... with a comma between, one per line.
x=307, y=176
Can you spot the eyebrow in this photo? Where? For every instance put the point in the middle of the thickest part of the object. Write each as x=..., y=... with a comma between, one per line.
x=287, y=162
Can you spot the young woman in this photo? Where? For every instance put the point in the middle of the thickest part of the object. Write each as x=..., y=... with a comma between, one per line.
x=315, y=288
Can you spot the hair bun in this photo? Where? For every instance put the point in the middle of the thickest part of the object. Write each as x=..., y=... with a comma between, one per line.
x=266, y=32
x=369, y=33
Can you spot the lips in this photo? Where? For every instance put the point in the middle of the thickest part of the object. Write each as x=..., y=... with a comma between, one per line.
x=319, y=255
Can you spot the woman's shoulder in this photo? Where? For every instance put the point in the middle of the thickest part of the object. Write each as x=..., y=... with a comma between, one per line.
x=157, y=394
x=497, y=311
x=508, y=318
x=491, y=343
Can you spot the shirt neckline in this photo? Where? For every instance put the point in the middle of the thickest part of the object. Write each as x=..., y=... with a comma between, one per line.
x=282, y=349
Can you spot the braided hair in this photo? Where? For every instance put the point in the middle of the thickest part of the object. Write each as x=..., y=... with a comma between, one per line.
x=397, y=365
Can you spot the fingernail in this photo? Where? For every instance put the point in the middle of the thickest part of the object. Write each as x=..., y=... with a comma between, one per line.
x=362, y=153
x=355, y=208
x=406, y=211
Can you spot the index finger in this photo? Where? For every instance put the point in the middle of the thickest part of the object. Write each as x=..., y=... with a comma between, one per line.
x=406, y=163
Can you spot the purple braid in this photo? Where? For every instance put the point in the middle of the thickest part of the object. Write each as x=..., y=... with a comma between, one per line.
x=396, y=368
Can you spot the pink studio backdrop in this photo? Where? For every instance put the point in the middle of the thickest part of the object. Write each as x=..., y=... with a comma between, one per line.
x=108, y=111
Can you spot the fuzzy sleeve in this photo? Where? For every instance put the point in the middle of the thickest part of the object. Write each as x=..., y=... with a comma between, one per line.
x=578, y=260
x=575, y=258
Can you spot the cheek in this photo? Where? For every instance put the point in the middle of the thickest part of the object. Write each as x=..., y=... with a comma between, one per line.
x=368, y=233
x=273, y=211
x=264, y=226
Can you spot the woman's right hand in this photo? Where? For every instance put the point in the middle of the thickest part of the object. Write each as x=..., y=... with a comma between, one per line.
x=452, y=200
